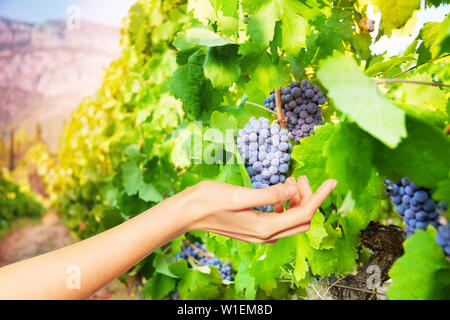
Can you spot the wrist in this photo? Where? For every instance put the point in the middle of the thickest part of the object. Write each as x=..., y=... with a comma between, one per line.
x=192, y=209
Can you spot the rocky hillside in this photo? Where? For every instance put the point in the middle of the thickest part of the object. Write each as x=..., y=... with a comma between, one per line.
x=46, y=70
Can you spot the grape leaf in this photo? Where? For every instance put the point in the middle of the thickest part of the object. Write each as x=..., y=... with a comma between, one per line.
x=442, y=192
x=310, y=156
x=317, y=232
x=158, y=287
x=133, y=183
x=444, y=36
x=197, y=285
x=202, y=10
x=426, y=103
x=227, y=12
x=245, y=283
x=423, y=272
x=195, y=91
x=356, y=95
x=429, y=48
x=395, y=14
x=260, y=28
x=383, y=67
x=203, y=36
x=132, y=177
x=424, y=156
x=352, y=172
x=222, y=65
x=265, y=77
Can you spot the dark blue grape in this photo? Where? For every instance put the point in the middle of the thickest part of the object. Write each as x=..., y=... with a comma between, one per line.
x=418, y=210
x=265, y=146
x=300, y=103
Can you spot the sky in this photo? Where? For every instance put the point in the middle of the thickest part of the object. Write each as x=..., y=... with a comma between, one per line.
x=395, y=45
x=110, y=12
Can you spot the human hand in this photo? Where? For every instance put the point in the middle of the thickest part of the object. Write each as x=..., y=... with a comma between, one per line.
x=226, y=209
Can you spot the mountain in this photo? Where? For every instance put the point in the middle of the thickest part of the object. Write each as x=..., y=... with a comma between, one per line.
x=47, y=69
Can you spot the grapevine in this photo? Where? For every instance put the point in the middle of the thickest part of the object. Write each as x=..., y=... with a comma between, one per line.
x=192, y=68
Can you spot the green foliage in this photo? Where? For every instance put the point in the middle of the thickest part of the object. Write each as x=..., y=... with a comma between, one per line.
x=16, y=203
x=423, y=272
x=132, y=144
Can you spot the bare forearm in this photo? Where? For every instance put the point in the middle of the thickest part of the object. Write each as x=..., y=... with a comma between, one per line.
x=210, y=206
x=98, y=260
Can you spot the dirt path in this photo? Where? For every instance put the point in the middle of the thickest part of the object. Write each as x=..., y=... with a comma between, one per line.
x=49, y=235
x=31, y=241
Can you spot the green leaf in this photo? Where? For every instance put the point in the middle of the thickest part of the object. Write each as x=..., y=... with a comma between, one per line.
x=261, y=28
x=444, y=36
x=395, y=14
x=132, y=177
x=310, y=156
x=148, y=192
x=222, y=65
x=349, y=158
x=383, y=67
x=424, y=156
x=442, y=192
x=158, y=287
x=429, y=48
x=423, y=272
x=162, y=267
x=195, y=91
x=245, y=283
x=202, y=10
x=293, y=28
x=227, y=12
x=133, y=182
x=358, y=96
x=196, y=285
x=267, y=76
x=317, y=232
x=426, y=103
x=202, y=36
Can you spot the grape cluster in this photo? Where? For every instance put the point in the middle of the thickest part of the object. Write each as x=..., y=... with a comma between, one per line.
x=443, y=238
x=301, y=106
x=267, y=154
x=225, y=269
x=189, y=251
x=414, y=204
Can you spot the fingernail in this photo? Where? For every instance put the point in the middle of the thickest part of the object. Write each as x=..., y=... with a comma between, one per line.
x=333, y=184
x=306, y=178
x=290, y=190
x=291, y=180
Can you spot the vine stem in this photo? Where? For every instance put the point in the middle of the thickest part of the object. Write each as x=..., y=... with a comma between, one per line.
x=435, y=84
x=280, y=117
x=193, y=259
x=418, y=65
x=358, y=289
x=317, y=292
x=167, y=249
x=259, y=106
